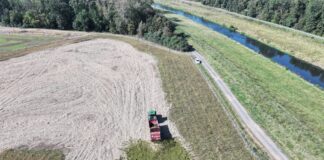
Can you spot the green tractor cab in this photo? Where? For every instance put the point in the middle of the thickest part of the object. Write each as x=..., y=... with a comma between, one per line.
x=151, y=114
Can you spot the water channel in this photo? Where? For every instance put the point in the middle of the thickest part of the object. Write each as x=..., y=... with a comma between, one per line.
x=307, y=71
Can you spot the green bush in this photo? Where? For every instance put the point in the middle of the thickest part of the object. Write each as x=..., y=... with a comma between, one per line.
x=165, y=150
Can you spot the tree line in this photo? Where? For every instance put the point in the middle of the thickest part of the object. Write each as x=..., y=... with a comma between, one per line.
x=306, y=15
x=132, y=17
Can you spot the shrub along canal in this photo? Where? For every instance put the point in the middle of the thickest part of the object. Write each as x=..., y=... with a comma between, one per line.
x=307, y=71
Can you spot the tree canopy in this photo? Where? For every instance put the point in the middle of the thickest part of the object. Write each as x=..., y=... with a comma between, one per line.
x=306, y=15
x=133, y=17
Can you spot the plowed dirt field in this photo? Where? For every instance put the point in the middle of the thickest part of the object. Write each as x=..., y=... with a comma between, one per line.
x=88, y=99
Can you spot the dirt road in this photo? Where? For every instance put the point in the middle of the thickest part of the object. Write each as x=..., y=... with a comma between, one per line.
x=258, y=133
x=88, y=99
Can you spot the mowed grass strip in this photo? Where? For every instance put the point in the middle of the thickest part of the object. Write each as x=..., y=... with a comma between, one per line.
x=14, y=44
x=32, y=154
x=287, y=107
x=195, y=110
x=294, y=43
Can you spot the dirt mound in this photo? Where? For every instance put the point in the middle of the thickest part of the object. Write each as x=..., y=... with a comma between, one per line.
x=88, y=98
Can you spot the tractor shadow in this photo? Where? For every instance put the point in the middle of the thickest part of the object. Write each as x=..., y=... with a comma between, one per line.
x=164, y=128
x=161, y=119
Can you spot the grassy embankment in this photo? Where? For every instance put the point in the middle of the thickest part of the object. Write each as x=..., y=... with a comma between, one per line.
x=197, y=113
x=295, y=43
x=286, y=106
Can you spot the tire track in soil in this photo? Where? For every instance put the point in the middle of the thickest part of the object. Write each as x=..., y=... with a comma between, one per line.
x=79, y=98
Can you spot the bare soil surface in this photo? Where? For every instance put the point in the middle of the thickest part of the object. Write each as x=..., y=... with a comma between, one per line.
x=88, y=99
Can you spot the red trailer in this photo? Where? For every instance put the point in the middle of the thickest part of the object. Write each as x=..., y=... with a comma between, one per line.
x=154, y=126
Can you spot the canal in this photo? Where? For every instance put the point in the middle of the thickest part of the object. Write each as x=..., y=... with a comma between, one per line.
x=305, y=70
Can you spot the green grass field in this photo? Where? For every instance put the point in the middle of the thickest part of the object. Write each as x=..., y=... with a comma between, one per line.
x=295, y=43
x=13, y=44
x=287, y=107
x=24, y=154
x=165, y=150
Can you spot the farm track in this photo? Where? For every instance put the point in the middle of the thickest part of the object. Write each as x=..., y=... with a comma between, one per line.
x=256, y=131
x=88, y=98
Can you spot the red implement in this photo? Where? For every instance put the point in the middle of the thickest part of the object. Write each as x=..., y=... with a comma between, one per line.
x=154, y=126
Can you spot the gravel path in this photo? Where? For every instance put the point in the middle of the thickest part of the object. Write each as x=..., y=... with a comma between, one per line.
x=257, y=132
x=88, y=99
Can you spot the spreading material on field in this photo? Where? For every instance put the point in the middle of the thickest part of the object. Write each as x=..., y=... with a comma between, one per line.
x=87, y=99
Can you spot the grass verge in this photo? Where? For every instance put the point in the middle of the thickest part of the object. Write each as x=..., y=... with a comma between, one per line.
x=24, y=154
x=165, y=150
x=307, y=48
x=287, y=107
x=255, y=149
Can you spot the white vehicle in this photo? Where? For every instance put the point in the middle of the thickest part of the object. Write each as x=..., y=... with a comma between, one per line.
x=198, y=61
